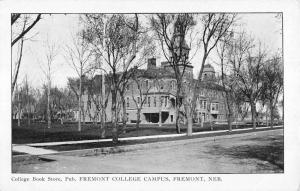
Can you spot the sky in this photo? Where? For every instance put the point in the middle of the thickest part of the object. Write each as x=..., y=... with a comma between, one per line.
x=58, y=28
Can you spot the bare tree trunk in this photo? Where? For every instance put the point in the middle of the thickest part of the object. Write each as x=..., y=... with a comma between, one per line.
x=190, y=123
x=28, y=104
x=61, y=118
x=177, y=111
x=114, y=117
x=28, y=115
x=83, y=111
x=159, y=114
x=48, y=104
x=138, y=118
x=19, y=109
x=124, y=117
x=189, y=116
x=267, y=123
x=103, y=108
x=283, y=107
x=229, y=120
x=253, y=113
x=230, y=115
x=18, y=67
x=103, y=123
x=79, y=104
x=210, y=122
x=271, y=114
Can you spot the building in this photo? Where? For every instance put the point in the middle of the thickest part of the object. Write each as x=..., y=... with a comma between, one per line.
x=152, y=91
x=159, y=95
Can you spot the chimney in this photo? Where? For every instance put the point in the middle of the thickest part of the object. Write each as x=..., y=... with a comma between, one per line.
x=151, y=63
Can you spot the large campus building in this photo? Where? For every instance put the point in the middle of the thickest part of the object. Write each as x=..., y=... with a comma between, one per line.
x=159, y=95
x=153, y=90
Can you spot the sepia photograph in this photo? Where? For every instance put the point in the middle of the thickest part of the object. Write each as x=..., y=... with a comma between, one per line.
x=147, y=93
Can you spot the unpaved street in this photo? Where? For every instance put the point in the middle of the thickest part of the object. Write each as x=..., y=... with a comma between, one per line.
x=259, y=152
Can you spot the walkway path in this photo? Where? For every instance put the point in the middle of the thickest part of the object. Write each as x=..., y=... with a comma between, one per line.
x=32, y=150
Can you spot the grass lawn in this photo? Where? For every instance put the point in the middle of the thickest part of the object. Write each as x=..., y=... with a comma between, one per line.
x=38, y=132
x=270, y=149
x=70, y=147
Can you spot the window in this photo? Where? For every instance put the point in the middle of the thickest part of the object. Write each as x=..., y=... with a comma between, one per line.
x=127, y=101
x=161, y=100
x=148, y=101
x=171, y=118
x=217, y=106
x=204, y=104
x=213, y=108
x=154, y=101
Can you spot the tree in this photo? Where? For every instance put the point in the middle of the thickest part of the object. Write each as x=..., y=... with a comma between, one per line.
x=18, y=62
x=171, y=30
x=24, y=101
x=142, y=89
x=78, y=56
x=21, y=25
x=272, y=83
x=116, y=39
x=226, y=80
x=58, y=102
x=42, y=103
x=98, y=92
x=247, y=62
x=51, y=51
x=28, y=108
x=215, y=27
x=29, y=23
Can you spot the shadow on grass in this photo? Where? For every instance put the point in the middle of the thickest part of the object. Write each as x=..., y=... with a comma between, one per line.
x=271, y=150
